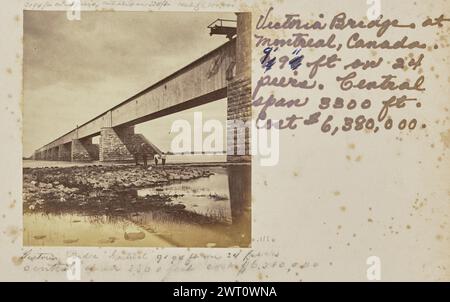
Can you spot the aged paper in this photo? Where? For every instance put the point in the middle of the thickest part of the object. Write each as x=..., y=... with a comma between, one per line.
x=225, y=141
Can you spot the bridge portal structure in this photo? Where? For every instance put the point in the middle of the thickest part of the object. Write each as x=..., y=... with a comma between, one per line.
x=222, y=73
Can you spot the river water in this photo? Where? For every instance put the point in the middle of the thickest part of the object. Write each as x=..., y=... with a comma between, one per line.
x=224, y=196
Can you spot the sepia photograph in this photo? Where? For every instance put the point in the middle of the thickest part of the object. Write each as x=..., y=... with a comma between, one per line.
x=210, y=149
x=132, y=129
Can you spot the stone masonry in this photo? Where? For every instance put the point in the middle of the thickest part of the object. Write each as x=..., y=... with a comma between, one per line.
x=54, y=153
x=116, y=144
x=83, y=150
x=65, y=152
x=239, y=111
x=120, y=144
x=239, y=95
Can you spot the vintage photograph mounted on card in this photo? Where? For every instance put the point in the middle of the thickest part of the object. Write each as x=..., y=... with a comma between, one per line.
x=132, y=129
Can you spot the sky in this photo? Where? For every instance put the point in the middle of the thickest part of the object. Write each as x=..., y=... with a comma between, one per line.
x=76, y=70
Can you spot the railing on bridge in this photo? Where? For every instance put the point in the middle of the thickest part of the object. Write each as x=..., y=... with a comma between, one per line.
x=223, y=27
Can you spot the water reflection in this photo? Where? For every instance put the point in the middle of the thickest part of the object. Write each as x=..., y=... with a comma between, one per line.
x=78, y=230
x=239, y=182
x=224, y=196
x=206, y=196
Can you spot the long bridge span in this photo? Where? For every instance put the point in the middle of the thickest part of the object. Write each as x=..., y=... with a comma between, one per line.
x=221, y=73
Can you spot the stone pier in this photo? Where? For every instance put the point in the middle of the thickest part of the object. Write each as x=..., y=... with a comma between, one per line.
x=65, y=152
x=54, y=153
x=116, y=144
x=84, y=150
x=239, y=95
x=119, y=144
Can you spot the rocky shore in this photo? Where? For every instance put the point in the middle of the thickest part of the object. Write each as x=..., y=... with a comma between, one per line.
x=100, y=190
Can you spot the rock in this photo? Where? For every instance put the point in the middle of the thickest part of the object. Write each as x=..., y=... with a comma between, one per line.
x=134, y=236
x=179, y=206
x=137, y=183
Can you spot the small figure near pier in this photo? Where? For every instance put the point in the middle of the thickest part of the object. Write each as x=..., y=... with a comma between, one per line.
x=161, y=157
x=156, y=158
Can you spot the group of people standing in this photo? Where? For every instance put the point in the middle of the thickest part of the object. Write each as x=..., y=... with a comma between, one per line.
x=141, y=151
